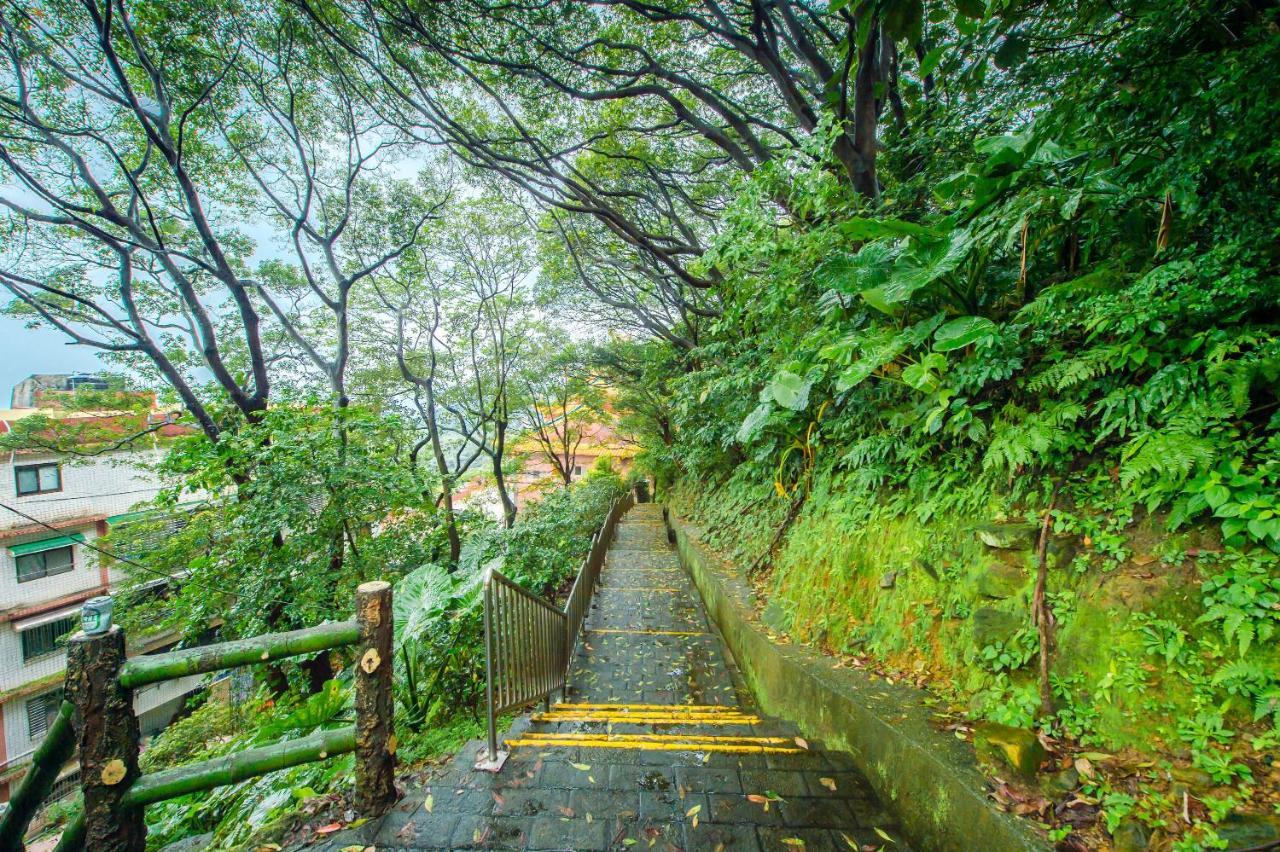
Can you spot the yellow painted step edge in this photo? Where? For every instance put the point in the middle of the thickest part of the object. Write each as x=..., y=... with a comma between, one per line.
x=641, y=745
x=684, y=738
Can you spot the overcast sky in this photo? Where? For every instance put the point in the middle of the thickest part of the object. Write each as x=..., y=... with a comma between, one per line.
x=24, y=351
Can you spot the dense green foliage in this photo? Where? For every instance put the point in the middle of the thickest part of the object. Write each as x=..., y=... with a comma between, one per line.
x=279, y=521
x=891, y=287
x=1074, y=305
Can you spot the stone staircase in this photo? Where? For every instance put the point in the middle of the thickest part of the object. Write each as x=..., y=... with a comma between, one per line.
x=656, y=747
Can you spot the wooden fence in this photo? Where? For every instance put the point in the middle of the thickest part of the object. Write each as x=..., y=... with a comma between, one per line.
x=98, y=718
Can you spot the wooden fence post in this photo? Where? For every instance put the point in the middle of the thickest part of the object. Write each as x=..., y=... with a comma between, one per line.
x=108, y=736
x=375, y=725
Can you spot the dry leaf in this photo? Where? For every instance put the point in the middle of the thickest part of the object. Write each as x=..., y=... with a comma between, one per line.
x=329, y=829
x=800, y=741
x=430, y=803
x=829, y=783
x=581, y=767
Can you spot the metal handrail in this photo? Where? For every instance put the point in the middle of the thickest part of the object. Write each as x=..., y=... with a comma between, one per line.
x=529, y=642
x=523, y=644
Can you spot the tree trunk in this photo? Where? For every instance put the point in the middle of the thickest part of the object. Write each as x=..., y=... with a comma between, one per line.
x=108, y=737
x=1042, y=614
x=862, y=148
x=499, y=451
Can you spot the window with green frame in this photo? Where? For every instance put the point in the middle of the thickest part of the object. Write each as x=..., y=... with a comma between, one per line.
x=45, y=563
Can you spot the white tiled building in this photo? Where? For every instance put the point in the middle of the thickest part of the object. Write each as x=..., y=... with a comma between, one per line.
x=46, y=574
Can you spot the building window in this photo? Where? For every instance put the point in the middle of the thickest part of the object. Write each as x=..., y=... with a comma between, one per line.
x=46, y=563
x=42, y=640
x=577, y=470
x=41, y=711
x=38, y=478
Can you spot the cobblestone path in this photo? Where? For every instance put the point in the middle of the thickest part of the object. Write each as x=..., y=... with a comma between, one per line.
x=656, y=747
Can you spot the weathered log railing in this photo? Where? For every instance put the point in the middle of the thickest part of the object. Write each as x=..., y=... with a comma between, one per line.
x=46, y=762
x=528, y=642
x=100, y=684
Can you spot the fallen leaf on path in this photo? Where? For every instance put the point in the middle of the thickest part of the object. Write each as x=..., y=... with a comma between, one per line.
x=829, y=783
x=330, y=828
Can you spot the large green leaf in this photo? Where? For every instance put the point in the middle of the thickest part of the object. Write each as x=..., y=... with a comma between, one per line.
x=789, y=390
x=417, y=599
x=852, y=272
x=961, y=332
x=755, y=421
x=924, y=374
x=925, y=263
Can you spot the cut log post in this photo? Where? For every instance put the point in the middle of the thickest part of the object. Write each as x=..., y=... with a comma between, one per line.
x=375, y=723
x=107, y=732
x=47, y=760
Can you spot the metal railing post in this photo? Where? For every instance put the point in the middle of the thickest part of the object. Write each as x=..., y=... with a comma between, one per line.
x=492, y=759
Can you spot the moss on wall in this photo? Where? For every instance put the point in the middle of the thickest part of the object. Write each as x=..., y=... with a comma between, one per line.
x=932, y=595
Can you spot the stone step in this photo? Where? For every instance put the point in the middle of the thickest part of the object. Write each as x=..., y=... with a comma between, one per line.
x=653, y=749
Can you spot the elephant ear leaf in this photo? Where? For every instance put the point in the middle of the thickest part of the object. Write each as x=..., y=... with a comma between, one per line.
x=788, y=390
x=414, y=598
x=755, y=421
x=961, y=332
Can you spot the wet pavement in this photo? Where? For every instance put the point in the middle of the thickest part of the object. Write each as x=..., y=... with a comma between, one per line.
x=657, y=746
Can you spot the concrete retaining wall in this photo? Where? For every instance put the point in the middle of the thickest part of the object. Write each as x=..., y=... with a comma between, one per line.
x=927, y=777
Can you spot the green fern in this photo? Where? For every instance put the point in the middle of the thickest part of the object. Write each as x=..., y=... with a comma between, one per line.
x=1170, y=456
x=1019, y=438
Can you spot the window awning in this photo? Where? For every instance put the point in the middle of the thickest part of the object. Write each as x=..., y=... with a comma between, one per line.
x=130, y=516
x=152, y=513
x=46, y=544
x=46, y=618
